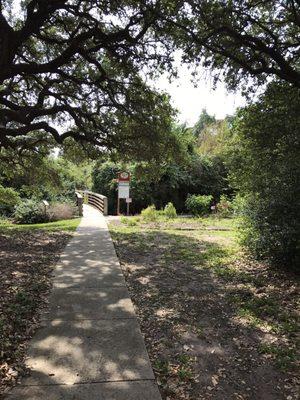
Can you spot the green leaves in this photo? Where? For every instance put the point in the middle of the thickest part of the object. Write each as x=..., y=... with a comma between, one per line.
x=8, y=197
x=264, y=162
x=198, y=205
x=73, y=72
x=242, y=42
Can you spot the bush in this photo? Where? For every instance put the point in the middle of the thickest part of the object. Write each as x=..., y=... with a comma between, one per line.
x=150, y=214
x=272, y=231
x=132, y=221
x=224, y=207
x=30, y=212
x=61, y=211
x=9, y=198
x=198, y=205
x=238, y=205
x=170, y=211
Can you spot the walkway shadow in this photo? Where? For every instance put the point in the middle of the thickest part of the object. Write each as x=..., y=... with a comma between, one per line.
x=89, y=345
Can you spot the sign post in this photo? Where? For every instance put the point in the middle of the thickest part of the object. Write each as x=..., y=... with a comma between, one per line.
x=128, y=201
x=123, y=189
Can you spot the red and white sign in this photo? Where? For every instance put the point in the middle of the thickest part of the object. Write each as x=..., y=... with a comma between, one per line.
x=123, y=176
x=123, y=189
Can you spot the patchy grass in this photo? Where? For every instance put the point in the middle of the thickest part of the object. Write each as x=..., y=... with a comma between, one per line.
x=216, y=323
x=28, y=254
x=284, y=357
x=182, y=222
x=66, y=225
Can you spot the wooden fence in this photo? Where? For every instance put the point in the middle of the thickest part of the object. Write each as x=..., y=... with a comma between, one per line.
x=93, y=199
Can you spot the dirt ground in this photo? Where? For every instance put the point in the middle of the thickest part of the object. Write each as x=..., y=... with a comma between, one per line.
x=26, y=263
x=216, y=324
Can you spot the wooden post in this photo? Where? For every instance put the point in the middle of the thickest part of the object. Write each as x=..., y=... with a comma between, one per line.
x=105, y=206
x=118, y=205
x=80, y=205
x=79, y=200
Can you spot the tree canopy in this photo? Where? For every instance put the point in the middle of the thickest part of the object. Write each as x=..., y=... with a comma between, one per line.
x=239, y=40
x=73, y=69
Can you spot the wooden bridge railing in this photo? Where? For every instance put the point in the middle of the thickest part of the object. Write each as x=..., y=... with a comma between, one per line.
x=93, y=199
x=79, y=202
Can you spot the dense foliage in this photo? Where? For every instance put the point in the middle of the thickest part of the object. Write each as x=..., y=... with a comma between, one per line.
x=9, y=198
x=198, y=168
x=43, y=176
x=171, y=183
x=150, y=213
x=225, y=207
x=198, y=205
x=204, y=121
x=30, y=212
x=29, y=178
x=265, y=167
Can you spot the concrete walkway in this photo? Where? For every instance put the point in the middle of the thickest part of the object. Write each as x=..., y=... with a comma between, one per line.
x=90, y=346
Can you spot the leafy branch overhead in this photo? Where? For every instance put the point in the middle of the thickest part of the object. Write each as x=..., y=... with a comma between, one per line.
x=241, y=39
x=73, y=69
x=70, y=69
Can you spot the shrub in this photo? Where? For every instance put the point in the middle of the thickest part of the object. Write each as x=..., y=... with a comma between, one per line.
x=224, y=207
x=61, y=211
x=30, y=212
x=271, y=231
x=132, y=221
x=150, y=213
x=170, y=211
x=238, y=205
x=9, y=198
x=198, y=205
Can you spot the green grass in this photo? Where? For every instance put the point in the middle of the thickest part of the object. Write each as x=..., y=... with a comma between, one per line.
x=162, y=366
x=164, y=223
x=285, y=357
x=68, y=225
x=180, y=366
x=218, y=222
x=180, y=243
x=260, y=311
x=132, y=221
